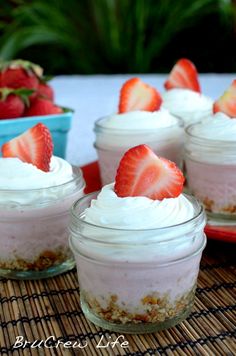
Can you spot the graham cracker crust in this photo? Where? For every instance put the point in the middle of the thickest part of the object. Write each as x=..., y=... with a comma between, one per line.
x=46, y=259
x=157, y=308
x=210, y=206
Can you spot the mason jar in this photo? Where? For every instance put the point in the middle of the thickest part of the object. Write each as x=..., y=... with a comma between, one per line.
x=33, y=229
x=111, y=144
x=211, y=174
x=136, y=281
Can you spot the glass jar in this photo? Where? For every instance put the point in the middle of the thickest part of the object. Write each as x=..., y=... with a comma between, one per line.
x=111, y=144
x=211, y=174
x=33, y=230
x=136, y=281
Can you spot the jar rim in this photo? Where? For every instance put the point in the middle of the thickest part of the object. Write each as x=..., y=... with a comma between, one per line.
x=79, y=219
x=159, y=264
x=76, y=178
x=206, y=139
x=97, y=126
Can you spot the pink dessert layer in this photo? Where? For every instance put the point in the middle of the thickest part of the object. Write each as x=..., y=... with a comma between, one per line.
x=131, y=283
x=214, y=185
x=30, y=234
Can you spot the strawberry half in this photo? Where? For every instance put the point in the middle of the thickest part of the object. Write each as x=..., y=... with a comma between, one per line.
x=142, y=173
x=227, y=102
x=33, y=146
x=183, y=75
x=136, y=95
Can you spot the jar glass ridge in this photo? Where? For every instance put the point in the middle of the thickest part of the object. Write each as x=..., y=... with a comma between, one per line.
x=129, y=280
x=33, y=226
x=211, y=175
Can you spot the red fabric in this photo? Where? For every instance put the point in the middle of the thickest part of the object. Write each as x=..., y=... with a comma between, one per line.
x=91, y=175
x=223, y=233
x=93, y=182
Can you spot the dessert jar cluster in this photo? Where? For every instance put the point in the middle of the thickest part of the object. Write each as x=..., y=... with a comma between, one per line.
x=136, y=280
x=115, y=134
x=33, y=229
x=210, y=156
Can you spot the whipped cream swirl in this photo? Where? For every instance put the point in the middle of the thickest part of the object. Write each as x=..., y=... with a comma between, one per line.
x=16, y=174
x=129, y=229
x=191, y=106
x=135, y=127
x=24, y=184
x=216, y=127
x=213, y=140
x=109, y=210
x=139, y=120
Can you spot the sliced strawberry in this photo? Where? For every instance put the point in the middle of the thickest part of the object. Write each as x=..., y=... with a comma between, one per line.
x=142, y=173
x=42, y=106
x=33, y=146
x=136, y=95
x=183, y=75
x=227, y=102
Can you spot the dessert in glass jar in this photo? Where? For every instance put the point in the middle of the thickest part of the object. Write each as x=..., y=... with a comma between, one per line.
x=210, y=155
x=141, y=119
x=36, y=193
x=138, y=245
x=183, y=97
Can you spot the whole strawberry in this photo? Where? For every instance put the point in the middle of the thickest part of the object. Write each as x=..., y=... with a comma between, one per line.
x=41, y=106
x=45, y=90
x=20, y=74
x=12, y=103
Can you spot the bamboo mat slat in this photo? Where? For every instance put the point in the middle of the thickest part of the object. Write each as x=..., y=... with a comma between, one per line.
x=50, y=307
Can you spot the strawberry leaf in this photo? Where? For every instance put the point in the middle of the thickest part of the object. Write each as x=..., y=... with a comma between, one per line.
x=46, y=78
x=65, y=110
x=24, y=94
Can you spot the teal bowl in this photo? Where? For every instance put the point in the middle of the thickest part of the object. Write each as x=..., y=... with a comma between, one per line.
x=58, y=124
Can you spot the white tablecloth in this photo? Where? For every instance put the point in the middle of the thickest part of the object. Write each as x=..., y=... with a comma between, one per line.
x=97, y=95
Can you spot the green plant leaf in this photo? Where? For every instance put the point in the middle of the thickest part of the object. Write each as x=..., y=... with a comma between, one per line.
x=103, y=36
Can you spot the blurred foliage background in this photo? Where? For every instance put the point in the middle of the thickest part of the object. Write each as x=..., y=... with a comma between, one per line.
x=119, y=36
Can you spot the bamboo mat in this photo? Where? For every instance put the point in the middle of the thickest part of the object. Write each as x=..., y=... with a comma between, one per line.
x=39, y=309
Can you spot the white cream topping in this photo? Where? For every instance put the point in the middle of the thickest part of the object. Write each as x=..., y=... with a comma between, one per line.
x=24, y=184
x=213, y=140
x=216, y=127
x=136, y=127
x=187, y=104
x=139, y=120
x=109, y=210
x=129, y=229
x=16, y=174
